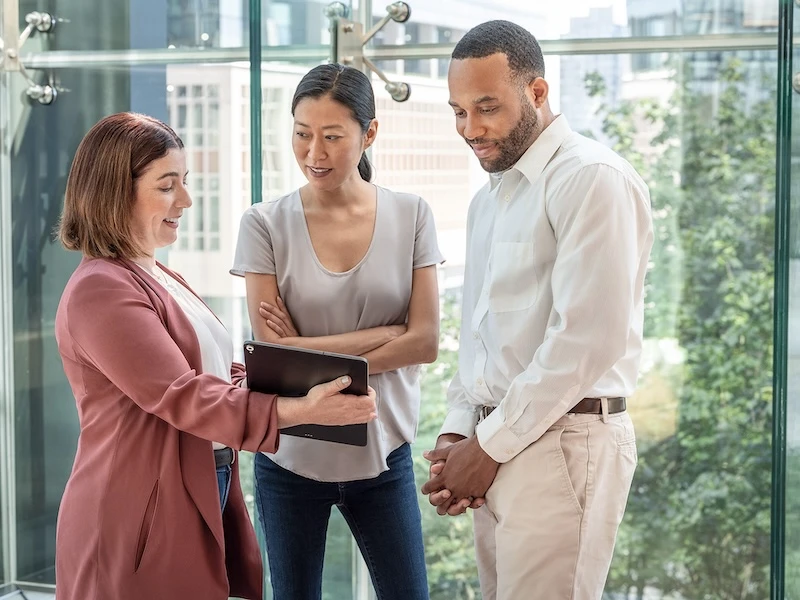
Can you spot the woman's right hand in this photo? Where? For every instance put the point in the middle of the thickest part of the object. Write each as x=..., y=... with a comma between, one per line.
x=326, y=405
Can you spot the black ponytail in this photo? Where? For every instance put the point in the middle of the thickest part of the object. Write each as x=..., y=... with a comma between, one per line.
x=365, y=168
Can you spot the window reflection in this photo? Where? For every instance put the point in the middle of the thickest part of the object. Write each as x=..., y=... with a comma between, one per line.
x=698, y=518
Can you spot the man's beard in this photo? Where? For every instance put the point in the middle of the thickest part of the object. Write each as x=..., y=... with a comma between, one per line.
x=514, y=145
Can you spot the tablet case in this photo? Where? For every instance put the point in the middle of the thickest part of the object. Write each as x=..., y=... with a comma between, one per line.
x=289, y=371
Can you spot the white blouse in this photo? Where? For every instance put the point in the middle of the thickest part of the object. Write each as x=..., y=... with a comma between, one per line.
x=216, y=347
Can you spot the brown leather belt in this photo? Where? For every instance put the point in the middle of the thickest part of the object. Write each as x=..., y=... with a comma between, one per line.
x=224, y=457
x=590, y=406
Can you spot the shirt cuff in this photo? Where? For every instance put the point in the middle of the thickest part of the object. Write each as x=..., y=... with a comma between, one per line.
x=461, y=421
x=496, y=439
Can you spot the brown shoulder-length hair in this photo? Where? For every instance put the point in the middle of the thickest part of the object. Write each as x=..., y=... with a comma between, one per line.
x=98, y=204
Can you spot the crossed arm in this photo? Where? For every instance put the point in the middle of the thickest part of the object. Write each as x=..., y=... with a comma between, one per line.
x=387, y=347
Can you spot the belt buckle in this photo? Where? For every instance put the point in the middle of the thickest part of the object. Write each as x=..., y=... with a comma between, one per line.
x=484, y=412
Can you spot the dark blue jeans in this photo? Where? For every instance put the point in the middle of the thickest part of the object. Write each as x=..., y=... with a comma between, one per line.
x=224, y=484
x=383, y=516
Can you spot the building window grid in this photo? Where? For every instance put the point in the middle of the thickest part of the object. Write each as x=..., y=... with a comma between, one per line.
x=195, y=112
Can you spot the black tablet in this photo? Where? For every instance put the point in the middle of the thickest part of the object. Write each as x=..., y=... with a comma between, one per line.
x=291, y=372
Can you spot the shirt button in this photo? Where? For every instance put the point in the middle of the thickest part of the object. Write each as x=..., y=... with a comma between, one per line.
x=476, y=335
x=479, y=381
x=509, y=452
x=508, y=198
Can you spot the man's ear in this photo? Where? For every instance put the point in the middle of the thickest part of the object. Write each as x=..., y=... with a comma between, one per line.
x=538, y=90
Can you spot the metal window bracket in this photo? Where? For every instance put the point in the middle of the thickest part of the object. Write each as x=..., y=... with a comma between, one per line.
x=349, y=39
x=12, y=42
x=11, y=592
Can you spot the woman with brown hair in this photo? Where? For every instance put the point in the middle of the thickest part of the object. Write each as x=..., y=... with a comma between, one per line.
x=153, y=507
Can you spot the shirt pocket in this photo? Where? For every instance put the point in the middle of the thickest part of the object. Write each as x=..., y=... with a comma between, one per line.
x=513, y=282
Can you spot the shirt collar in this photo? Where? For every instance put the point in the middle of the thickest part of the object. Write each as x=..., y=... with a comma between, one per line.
x=535, y=159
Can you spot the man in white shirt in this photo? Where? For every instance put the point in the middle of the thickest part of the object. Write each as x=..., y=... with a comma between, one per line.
x=537, y=438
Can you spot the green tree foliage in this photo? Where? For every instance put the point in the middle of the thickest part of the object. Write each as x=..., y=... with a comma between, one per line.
x=448, y=540
x=697, y=524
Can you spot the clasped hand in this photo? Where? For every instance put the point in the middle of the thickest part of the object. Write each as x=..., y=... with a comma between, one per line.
x=460, y=474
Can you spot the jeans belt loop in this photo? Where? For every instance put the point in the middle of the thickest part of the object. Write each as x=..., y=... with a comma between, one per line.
x=604, y=409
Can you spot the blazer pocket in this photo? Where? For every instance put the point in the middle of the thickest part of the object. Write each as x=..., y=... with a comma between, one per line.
x=146, y=527
x=513, y=283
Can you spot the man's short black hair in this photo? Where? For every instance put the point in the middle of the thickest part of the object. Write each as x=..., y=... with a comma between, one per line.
x=504, y=37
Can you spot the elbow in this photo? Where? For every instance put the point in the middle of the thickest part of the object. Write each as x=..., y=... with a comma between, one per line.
x=429, y=349
x=614, y=350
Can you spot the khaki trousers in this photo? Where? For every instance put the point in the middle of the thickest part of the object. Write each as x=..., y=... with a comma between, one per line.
x=548, y=527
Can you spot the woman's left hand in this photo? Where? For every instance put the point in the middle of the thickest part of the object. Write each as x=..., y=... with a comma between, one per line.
x=278, y=318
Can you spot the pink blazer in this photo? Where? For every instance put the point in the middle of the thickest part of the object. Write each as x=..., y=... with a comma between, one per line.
x=140, y=517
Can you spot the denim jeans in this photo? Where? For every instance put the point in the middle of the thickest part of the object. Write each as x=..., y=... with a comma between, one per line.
x=383, y=516
x=224, y=484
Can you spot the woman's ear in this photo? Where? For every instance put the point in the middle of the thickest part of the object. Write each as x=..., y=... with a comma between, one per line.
x=371, y=134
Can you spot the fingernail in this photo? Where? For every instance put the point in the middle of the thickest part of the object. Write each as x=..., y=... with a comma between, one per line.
x=345, y=380
x=445, y=494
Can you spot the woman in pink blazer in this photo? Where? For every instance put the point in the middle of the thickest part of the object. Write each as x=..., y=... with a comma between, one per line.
x=153, y=508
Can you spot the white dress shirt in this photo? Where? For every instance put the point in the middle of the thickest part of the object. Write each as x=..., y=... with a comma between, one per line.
x=553, y=302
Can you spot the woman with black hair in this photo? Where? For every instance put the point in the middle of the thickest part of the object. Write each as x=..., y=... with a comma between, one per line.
x=345, y=266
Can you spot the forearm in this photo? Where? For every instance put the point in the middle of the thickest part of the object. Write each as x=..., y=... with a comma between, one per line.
x=357, y=343
x=414, y=347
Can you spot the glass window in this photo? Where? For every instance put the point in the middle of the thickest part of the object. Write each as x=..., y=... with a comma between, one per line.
x=182, y=112
x=697, y=523
x=792, y=563
x=213, y=115
x=199, y=213
x=46, y=428
x=448, y=21
x=46, y=420
x=198, y=114
x=2, y=550
x=214, y=213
